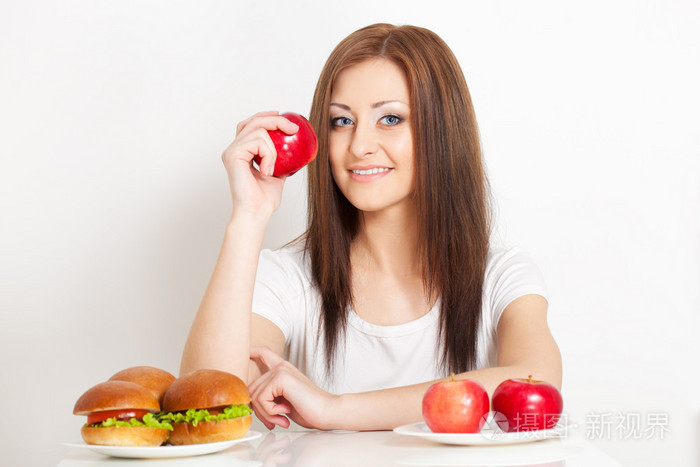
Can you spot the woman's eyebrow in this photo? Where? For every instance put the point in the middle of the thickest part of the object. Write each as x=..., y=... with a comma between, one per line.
x=374, y=106
x=381, y=103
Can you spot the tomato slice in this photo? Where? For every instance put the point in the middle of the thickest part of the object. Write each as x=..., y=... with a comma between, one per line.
x=124, y=414
x=216, y=410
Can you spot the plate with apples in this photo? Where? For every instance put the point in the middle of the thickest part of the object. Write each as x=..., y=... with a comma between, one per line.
x=459, y=412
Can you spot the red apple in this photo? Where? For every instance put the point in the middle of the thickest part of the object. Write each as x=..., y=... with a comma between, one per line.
x=455, y=406
x=528, y=404
x=293, y=151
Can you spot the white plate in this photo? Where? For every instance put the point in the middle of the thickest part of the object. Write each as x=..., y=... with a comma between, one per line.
x=486, y=436
x=163, y=452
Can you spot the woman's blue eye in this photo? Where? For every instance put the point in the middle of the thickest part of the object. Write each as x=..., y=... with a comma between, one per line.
x=341, y=121
x=391, y=119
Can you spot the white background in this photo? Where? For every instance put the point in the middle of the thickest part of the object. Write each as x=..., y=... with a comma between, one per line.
x=113, y=116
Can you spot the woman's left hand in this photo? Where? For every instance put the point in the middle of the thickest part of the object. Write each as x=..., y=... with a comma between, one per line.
x=283, y=393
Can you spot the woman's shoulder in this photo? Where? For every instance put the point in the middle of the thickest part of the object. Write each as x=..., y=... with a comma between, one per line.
x=500, y=255
x=290, y=260
x=511, y=265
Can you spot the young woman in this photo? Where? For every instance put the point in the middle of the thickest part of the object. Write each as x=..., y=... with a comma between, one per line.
x=394, y=285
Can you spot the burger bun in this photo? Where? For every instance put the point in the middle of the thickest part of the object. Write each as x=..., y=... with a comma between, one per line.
x=210, y=432
x=116, y=395
x=153, y=379
x=205, y=389
x=124, y=435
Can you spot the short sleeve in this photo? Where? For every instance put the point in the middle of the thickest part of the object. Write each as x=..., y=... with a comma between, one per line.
x=273, y=297
x=510, y=274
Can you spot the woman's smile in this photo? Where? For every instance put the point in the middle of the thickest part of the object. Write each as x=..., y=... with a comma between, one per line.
x=367, y=174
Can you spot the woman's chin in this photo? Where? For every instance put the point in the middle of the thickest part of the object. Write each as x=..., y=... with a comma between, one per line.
x=377, y=205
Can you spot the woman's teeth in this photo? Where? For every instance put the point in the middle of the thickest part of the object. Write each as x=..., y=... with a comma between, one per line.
x=370, y=171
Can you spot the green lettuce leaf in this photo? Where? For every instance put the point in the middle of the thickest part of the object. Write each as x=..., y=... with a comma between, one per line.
x=149, y=420
x=195, y=416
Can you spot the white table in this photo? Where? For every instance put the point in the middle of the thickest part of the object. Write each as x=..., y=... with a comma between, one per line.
x=380, y=448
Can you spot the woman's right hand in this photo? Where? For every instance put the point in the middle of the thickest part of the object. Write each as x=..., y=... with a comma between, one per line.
x=255, y=191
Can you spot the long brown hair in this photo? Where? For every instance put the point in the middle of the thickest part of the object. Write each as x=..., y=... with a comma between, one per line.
x=451, y=190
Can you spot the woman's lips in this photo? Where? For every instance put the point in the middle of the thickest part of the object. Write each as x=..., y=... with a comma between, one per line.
x=368, y=174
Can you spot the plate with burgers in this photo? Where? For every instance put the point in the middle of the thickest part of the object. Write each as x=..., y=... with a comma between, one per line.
x=202, y=412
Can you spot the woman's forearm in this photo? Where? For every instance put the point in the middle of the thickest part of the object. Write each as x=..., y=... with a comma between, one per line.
x=388, y=408
x=220, y=334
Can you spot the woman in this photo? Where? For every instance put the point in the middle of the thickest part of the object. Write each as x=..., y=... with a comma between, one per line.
x=393, y=286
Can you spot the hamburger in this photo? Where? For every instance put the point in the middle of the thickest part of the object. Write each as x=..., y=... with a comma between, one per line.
x=121, y=413
x=207, y=406
x=153, y=379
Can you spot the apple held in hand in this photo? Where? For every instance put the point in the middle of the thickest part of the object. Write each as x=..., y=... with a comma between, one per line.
x=293, y=151
x=528, y=404
x=455, y=406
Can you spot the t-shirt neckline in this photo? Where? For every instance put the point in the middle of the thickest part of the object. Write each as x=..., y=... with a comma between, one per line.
x=395, y=330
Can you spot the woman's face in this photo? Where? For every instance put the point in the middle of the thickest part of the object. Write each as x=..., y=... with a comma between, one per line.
x=371, y=144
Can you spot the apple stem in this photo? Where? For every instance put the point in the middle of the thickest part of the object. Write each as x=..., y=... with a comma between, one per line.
x=452, y=377
x=529, y=378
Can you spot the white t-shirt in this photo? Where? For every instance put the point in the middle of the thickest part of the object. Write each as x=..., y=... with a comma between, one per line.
x=373, y=356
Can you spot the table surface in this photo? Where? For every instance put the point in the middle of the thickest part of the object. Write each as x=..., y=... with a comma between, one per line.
x=379, y=448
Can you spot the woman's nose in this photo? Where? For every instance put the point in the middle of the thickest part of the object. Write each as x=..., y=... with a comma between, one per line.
x=364, y=142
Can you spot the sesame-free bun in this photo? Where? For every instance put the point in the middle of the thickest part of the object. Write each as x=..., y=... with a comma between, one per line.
x=207, y=389
x=210, y=432
x=115, y=395
x=154, y=379
x=124, y=435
